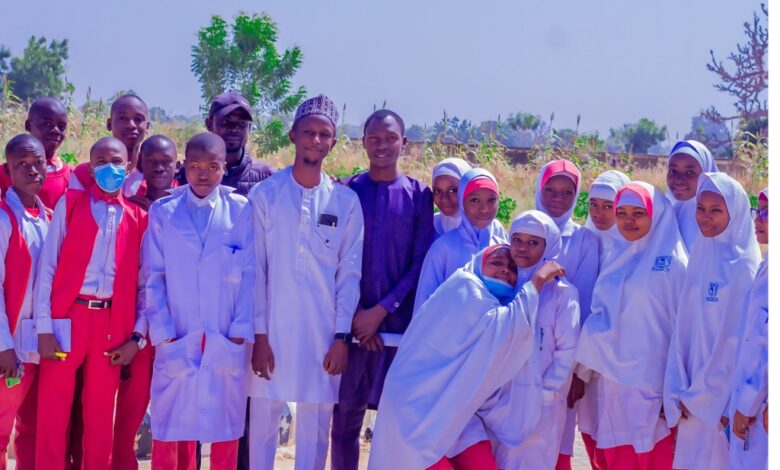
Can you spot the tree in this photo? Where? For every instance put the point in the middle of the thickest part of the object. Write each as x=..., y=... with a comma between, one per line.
x=714, y=134
x=524, y=121
x=39, y=71
x=638, y=137
x=748, y=78
x=244, y=57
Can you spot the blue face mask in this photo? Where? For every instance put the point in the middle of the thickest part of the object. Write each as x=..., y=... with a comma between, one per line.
x=109, y=177
x=503, y=291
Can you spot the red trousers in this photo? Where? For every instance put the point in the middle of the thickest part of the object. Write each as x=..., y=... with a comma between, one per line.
x=131, y=403
x=180, y=455
x=56, y=384
x=477, y=457
x=626, y=458
x=564, y=462
x=19, y=403
x=595, y=455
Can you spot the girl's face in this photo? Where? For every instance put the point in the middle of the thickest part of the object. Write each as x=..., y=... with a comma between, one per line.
x=761, y=221
x=445, y=194
x=682, y=176
x=526, y=249
x=558, y=195
x=481, y=207
x=712, y=214
x=602, y=213
x=633, y=222
x=500, y=266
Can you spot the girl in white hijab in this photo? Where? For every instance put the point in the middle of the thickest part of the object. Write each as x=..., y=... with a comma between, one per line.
x=702, y=356
x=444, y=183
x=538, y=392
x=478, y=205
x=749, y=443
x=557, y=189
x=687, y=160
x=601, y=211
x=622, y=351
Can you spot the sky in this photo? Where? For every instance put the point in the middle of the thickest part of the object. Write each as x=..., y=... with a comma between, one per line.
x=611, y=61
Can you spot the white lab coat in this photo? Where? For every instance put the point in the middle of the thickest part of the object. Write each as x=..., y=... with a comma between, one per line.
x=307, y=281
x=192, y=290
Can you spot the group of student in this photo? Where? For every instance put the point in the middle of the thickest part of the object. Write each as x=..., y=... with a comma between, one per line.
x=221, y=290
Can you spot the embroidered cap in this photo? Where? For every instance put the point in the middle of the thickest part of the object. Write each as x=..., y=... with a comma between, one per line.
x=321, y=105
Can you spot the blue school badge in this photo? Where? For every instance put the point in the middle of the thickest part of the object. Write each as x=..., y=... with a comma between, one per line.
x=712, y=292
x=662, y=264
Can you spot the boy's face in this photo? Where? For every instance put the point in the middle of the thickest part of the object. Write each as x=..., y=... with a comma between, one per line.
x=383, y=142
x=500, y=265
x=527, y=249
x=712, y=214
x=313, y=138
x=558, y=195
x=633, y=222
x=233, y=128
x=445, y=194
x=49, y=125
x=159, y=166
x=204, y=170
x=27, y=168
x=682, y=176
x=129, y=121
x=481, y=207
x=602, y=213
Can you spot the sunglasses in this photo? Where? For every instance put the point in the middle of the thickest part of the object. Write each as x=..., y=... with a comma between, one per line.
x=759, y=214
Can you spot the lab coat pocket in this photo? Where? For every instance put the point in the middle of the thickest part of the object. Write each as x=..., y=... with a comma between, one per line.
x=327, y=248
x=234, y=357
x=174, y=357
x=232, y=263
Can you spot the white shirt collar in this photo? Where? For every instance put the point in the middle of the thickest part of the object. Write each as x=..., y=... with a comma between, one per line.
x=210, y=200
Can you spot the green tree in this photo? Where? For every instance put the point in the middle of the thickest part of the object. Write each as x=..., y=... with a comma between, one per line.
x=524, y=121
x=39, y=71
x=244, y=57
x=640, y=136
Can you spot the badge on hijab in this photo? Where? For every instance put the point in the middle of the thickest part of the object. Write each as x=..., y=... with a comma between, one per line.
x=662, y=264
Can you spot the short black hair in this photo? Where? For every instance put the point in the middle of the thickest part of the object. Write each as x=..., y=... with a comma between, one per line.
x=155, y=141
x=125, y=97
x=19, y=141
x=381, y=114
x=46, y=103
x=113, y=141
x=207, y=142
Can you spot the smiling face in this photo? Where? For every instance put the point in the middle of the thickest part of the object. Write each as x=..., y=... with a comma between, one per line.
x=481, y=207
x=527, y=249
x=682, y=176
x=500, y=265
x=26, y=165
x=633, y=222
x=602, y=213
x=445, y=194
x=762, y=224
x=313, y=137
x=712, y=214
x=558, y=195
x=233, y=127
x=129, y=120
x=48, y=122
x=383, y=141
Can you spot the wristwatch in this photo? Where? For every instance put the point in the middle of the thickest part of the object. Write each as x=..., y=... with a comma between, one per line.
x=139, y=340
x=346, y=337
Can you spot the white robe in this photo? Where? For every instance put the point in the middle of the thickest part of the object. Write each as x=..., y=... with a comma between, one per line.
x=461, y=347
x=751, y=376
x=702, y=355
x=626, y=338
x=307, y=281
x=193, y=289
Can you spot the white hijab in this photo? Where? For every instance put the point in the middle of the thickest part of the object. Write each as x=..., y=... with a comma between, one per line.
x=555, y=168
x=456, y=168
x=606, y=186
x=460, y=348
x=703, y=352
x=537, y=223
x=626, y=337
x=686, y=210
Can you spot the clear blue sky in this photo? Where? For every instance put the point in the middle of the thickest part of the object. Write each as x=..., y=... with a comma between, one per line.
x=612, y=61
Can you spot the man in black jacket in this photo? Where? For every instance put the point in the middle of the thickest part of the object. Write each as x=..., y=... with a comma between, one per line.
x=230, y=117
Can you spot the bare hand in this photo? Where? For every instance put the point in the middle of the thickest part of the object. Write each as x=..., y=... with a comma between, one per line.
x=373, y=344
x=576, y=391
x=683, y=410
x=336, y=360
x=741, y=424
x=141, y=200
x=262, y=357
x=8, y=363
x=766, y=418
x=549, y=271
x=124, y=354
x=365, y=323
x=48, y=346
x=724, y=421
x=238, y=341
